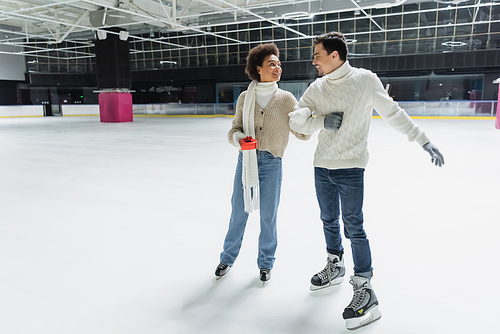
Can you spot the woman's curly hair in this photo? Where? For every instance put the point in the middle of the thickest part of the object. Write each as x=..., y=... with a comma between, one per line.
x=256, y=57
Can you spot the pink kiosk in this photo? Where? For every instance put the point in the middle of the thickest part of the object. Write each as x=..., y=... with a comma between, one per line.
x=497, y=121
x=115, y=105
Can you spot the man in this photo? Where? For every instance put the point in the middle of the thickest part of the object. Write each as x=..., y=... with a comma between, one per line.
x=340, y=104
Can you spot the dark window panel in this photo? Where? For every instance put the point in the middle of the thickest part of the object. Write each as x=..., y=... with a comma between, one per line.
x=280, y=44
x=193, y=61
x=465, y=15
x=255, y=35
x=305, y=29
x=332, y=26
x=427, y=19
x=347, y=15
x=292, y=54
x=360, y=48
x=362, y=38
x=233, y=59
x=480, y=28
x=290, y=34
x=428, y=5
x=378, y=11
x=306, y=53
x=409, y=47
x=483, y=14
x=222, y=59
x=279, y=33
x=318, y=29
x=411, y=7
x=377, y=48
x=363, y=25
x=318, y=18
x=397, y=9
x=347, y=26
x=393, y=48
x=332, y=16
x=377, y=36
x=394, y=22
x=211, y=60
x=267, y=34
x=425, y=45
x=410, y=34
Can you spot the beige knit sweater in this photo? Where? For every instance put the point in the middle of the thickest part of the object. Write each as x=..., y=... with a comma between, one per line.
x=272, y=128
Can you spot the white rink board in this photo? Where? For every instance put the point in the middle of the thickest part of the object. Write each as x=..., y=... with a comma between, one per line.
x=21, y=111
x=80, y=109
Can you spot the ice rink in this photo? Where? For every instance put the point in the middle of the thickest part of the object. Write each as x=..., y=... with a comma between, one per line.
x=117, y=229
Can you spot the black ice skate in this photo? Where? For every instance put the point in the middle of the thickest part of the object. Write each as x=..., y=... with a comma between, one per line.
x=332, y=275
x=265, y=275
x=221, y=270
x=363, y=309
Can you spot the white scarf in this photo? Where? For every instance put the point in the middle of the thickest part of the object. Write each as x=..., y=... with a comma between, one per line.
x=250, y=173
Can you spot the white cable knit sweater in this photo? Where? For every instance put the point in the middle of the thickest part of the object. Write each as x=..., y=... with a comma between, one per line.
x=355, y=92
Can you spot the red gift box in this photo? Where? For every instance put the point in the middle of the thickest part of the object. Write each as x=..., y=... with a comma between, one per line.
x=248, y=143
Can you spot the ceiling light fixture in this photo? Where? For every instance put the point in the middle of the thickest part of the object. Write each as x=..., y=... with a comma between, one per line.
x=450, y=43
x=297, y=16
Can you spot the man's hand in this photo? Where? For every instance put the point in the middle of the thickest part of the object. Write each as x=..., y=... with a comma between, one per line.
x=437, y=157
x=333, y=120
x=300, y=115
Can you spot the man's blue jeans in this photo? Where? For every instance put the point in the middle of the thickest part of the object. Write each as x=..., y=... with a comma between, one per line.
x=341, y=191
x=270, y=174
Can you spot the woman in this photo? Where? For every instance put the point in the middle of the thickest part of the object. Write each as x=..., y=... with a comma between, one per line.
x=261, y=113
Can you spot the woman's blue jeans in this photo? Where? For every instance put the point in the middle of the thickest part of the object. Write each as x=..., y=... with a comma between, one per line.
x=270, y=174
x=341, y=191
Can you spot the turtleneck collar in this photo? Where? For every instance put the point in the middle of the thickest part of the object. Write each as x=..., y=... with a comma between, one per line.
x=340, y=72
x=266, y=88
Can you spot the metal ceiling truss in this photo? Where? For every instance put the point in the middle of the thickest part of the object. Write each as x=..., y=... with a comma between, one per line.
x=69, y=26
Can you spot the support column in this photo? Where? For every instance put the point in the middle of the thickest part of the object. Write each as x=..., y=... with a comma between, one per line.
x=113, y=76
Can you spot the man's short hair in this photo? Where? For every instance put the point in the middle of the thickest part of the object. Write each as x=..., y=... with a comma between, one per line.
x=333, y=41
x=256, y=58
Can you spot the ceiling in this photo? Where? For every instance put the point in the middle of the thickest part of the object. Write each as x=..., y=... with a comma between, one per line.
x=26, y=23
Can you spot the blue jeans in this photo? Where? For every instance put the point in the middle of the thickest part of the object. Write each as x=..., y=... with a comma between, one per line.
x=270, y=174
x=342, y=190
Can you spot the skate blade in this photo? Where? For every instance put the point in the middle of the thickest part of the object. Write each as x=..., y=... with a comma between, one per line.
x=372, y=316
x=219, y=277
x=333, y=283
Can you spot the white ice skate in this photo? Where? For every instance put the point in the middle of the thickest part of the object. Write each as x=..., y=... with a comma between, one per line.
x=221, y=270
x=332, y=275
x=363, y=309
x=265, y=275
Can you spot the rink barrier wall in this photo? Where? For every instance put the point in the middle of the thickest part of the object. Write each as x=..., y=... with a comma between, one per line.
x=415, y=109
x=21, y=111
x=80, y=109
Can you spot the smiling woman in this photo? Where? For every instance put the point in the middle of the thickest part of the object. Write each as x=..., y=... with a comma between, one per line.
x=262, y=118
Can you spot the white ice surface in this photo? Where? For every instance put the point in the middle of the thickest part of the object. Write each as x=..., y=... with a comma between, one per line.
x=117, y=228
